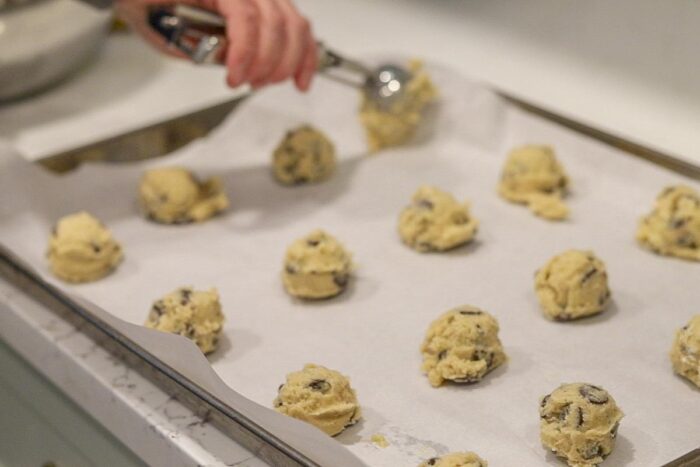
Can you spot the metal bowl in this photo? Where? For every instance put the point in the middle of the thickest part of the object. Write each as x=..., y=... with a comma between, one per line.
x=43, y=42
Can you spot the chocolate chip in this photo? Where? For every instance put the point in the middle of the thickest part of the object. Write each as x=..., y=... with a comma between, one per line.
x=588, y=275
x=593, y=394
x=425, y=204
x=189, y=331
x=158, y=308
x=544, y=400
x=312, y=242
x=592, y=451
x=564, y=412
x=163, y=198
x=278, y=403
x=185, y=295
x=677, y=223
x=613, y=432
x=483, y=355
x=687, y=241
x=280, y=387
x=433, y=460
x=580, y=417
x=95, y=247
x=320, y=385
x=470, y=312
x=290, y=269
x=341, y=280
x=442, y=355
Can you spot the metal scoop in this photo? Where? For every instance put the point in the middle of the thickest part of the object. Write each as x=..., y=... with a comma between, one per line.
x=200, y=34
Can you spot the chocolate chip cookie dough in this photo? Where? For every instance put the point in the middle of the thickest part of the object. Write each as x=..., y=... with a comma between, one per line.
x=397, y=125
x=316, y=266
x=685, y=353
x=456, y=459
x=194, y=314
x=82, y=249
x=579, y=423
x=673, y=227
x=572, y=285
x=533, y=176
x=305, y=155
x=436, y=221
x=173, y=195
x=321, y=397
x=461, y=346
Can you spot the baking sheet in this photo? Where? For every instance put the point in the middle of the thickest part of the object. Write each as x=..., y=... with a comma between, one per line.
x=373, y=331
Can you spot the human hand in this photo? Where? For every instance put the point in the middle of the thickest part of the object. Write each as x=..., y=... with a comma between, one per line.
x=267, y=41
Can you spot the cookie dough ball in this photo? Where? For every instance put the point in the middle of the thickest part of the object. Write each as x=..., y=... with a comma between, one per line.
x=173, y=195
x=579, y=423
x=673, y=227
x=456, y=459
x=304, y=155
x=436, y=221
x=81, y=249
x=397, y=125
x=321, y=397
x=685, y=353
x=316, y=266
x=533, y=176
x=572, y=285
x=462, y=346
x=190, y=313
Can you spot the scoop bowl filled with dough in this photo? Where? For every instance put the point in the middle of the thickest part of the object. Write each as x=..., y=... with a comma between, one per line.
x=398, y=124
x=319, y=396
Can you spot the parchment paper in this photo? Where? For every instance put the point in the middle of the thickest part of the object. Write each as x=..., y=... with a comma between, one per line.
x=373, y=331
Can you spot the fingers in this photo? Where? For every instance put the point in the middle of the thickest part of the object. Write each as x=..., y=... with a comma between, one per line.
x=297, y=33
x=307, y=69
x=242, y=34
x=272, y=33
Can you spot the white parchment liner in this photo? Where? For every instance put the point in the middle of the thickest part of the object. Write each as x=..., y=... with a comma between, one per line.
x=373, y=331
